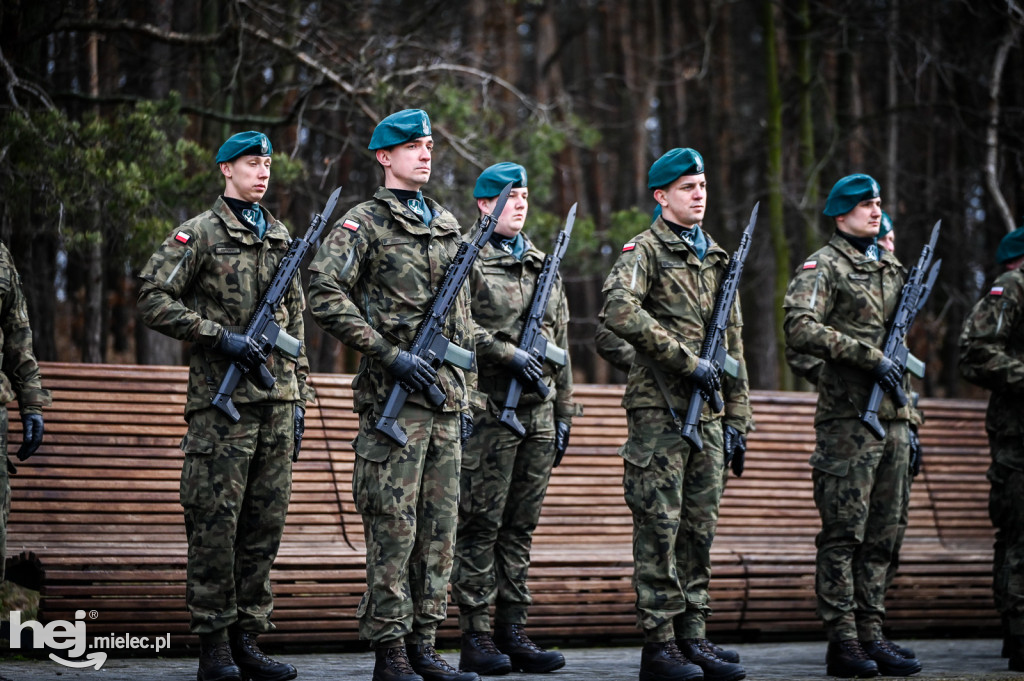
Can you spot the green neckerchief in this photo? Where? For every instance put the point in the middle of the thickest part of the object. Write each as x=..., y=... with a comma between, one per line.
x=249, y=214
x=513, y=245
x=868, y=245
x=693, y=237
x=415, y=202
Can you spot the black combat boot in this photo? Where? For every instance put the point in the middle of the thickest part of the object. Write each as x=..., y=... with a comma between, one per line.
x=525, y=655
x=393, y=665
x=724, y=653
x=216, y=663
x=663, y=661
x=848, y=660
x=715, y=668
x=254, y=663
x=432, y=667
x=902, y=651
x=889, y=660
x=479, y=654
x=1016, y=650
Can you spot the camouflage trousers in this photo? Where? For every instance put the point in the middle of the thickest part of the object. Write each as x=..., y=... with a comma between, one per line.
x=408, y=498
x=235, y=486
x=1006, y=510
x=673, y=494
x=5, y=492
x=504, y=480
x=861, y=491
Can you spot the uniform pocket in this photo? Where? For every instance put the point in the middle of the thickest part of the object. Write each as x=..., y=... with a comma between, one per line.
x=368, y=446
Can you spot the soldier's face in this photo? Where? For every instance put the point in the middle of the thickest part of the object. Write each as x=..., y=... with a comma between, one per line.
x=888, y=242
x=246, y=178
x=864, y=220
x=513, y=215
x=407, y=165
x=684, y=201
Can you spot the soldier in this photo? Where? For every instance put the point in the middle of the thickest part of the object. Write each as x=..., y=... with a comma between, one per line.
x=837, y=307
x=658, y=297
x=200, y=286
x=504, y=478
x=372, y=284
x=19, y=378
x=991, y=347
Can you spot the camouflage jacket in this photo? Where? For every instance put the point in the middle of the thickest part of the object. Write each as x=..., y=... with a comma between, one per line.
x=372, y=283
x=20, y=377
x=837, y=309
x=209, y=275
x=611, y=348
x=992, y=352
x=501, y=292
x=659, y=297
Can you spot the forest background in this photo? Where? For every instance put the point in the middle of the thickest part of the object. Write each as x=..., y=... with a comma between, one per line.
x=112, y=110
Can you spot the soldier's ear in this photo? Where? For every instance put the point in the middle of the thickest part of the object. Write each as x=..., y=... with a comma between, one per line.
x=384, y=157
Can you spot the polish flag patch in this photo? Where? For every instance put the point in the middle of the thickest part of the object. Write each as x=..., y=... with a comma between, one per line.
x=350, y=224
x=810, y=264
x=629, y=247
x=182, y=237
x=996, y=291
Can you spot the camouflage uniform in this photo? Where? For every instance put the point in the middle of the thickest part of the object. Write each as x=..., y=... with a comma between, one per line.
x=372, y=283
x=19, y=375
x=209, y=276
x=836, y=309
x=504, y=478
x=991, y=350
x=659, y=298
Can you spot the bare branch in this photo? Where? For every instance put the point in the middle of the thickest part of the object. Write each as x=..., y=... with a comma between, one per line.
x=13, y=83
x=992, y=131
x=148, y=30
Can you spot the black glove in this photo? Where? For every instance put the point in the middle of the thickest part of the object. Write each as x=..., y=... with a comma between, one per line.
x=31, y=435
x=413, y=370
x=706, y=376
x=526, y=368
x=735, y=449
x=239, y=347
x=915, y=452
x=300, y=428
x=888, y=374
x=466, y=429
x=561, y=440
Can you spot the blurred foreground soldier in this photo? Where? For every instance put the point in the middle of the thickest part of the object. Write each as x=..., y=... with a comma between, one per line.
x=201, y=286
x=658, y=297
x=991, y=352
x=19, y=379
x=837, y=307
x=372, y=284
x=505, y=477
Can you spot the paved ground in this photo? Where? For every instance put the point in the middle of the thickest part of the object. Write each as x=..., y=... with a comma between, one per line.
x=953, y=660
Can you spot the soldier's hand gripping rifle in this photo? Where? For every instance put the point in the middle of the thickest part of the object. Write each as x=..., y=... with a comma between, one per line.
x=262, y=326
x=912, y=299
x=714, y=340
x=429, y=343
x=532, y=340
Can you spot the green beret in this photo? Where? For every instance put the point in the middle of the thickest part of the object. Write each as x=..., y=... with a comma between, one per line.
x=252, y=143
x=672, y=165
x=400, y=127
x=1011, y=247
x=493, y=179
x=848, y=192
x=886, y=226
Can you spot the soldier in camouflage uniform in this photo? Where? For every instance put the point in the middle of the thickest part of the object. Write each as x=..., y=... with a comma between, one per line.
x=19, y=378
x=504, y=478
x=372, y=283
x=658, y=297
x=202, y=285
x=992, y=356
x=837, y=307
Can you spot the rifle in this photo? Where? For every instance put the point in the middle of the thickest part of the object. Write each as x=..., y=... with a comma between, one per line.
x=262, y=326
x=912, y=299
x=429, y=343
x=532, y=340
x=714, y=340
